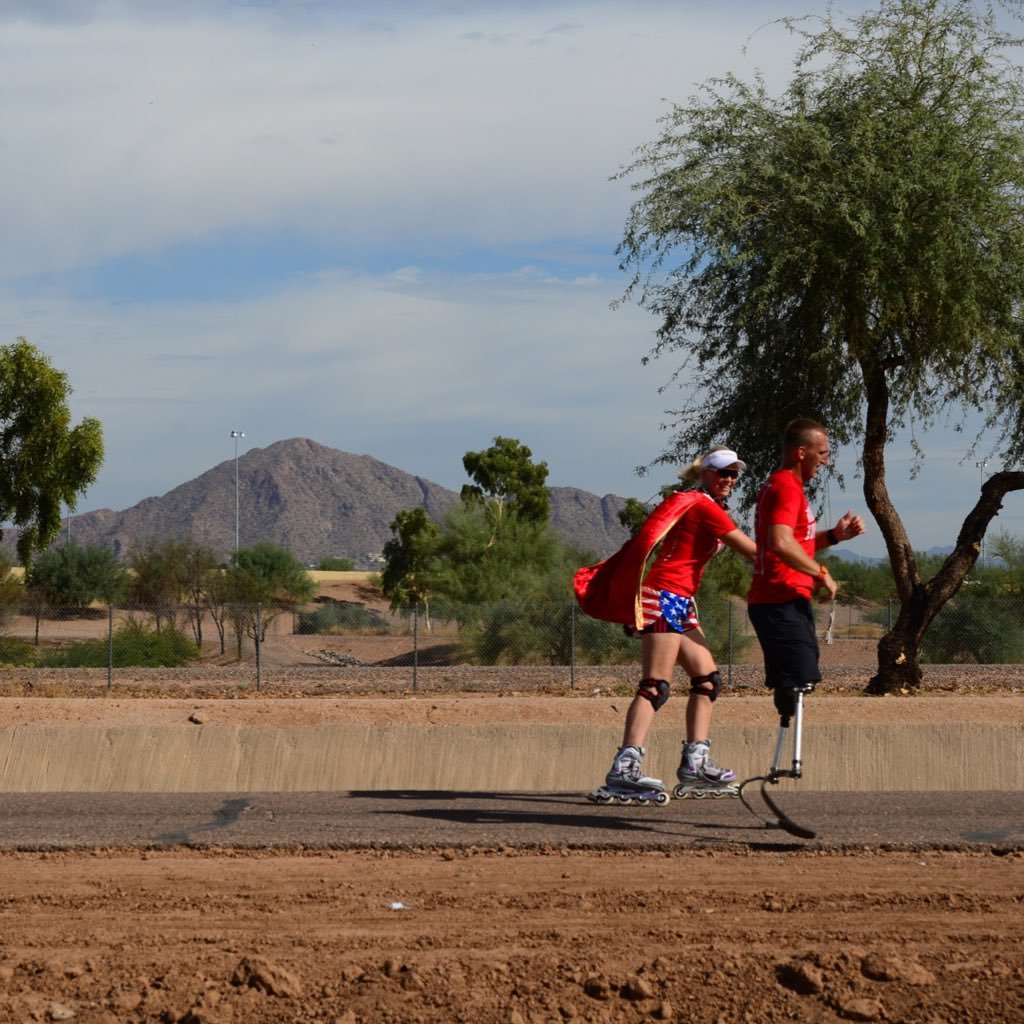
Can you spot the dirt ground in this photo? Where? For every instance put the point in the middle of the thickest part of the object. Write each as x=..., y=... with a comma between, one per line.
x=511, y=936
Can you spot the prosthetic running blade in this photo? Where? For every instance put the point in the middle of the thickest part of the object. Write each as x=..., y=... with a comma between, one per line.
x=782, y=820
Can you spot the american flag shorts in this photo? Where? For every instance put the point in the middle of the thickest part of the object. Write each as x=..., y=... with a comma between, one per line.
x=665, y=612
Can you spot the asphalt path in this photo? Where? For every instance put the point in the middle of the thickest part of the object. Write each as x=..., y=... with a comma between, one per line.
x=415, y=819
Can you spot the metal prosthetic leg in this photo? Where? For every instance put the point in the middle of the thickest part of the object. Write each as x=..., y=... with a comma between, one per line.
x=776, y=772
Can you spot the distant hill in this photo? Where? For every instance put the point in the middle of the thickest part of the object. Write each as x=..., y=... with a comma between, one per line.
x=317, y=502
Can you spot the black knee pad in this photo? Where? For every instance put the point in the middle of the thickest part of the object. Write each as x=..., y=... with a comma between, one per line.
x=697, y=686
x=654, y=690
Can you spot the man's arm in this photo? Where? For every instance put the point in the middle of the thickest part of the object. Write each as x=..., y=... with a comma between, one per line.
x=783, y=544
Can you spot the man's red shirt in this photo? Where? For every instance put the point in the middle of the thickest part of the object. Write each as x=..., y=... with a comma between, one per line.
x=781, y=502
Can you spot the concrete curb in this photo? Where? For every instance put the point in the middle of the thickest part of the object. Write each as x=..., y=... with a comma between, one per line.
x=484, y=758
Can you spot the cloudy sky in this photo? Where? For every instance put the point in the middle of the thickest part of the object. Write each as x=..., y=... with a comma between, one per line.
x=386, y=226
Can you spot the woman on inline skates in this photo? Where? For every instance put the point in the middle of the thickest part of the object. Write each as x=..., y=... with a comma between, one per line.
x=691, y=526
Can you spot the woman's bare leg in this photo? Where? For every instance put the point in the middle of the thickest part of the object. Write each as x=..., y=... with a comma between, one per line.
x=695, y=659
x=658, y=655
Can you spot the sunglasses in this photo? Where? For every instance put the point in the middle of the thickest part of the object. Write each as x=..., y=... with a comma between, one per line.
x=728, y=474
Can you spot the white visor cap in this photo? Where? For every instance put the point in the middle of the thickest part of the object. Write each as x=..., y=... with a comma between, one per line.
x=721, y=459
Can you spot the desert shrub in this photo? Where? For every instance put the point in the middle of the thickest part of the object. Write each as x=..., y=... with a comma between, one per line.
x=15, y=652
x=338, y=616
x=132, y=645
x=334, y=564
x=982, y=630
x=603, y=643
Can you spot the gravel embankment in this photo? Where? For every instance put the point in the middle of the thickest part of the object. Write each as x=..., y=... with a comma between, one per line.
x=316, y=681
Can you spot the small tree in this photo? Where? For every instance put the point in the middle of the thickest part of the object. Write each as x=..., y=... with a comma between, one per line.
x=158, y=577
x=263, y=581
x=44, y=461
x=73, y=576
x=408, y=558
x=506, y=481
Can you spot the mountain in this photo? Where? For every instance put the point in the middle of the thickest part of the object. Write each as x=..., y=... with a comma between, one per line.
x=317, y=502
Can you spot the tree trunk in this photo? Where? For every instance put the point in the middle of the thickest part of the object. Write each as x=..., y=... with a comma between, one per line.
x=899, y=664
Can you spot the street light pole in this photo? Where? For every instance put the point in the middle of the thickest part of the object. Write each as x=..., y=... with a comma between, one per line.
x=236, y=434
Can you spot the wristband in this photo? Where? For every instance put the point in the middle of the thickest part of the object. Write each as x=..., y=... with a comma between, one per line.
x=833, y=537
x=822, y=570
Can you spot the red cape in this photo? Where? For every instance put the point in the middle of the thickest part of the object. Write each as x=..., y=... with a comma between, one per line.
x=610, y=590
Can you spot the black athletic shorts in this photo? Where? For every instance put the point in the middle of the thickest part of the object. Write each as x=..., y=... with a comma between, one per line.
x=788, y=641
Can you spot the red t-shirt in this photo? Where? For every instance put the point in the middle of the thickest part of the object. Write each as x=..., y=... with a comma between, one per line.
x=688, y=546
x=781, y=501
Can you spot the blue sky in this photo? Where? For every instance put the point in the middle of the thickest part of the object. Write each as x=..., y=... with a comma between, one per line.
x=385, y=226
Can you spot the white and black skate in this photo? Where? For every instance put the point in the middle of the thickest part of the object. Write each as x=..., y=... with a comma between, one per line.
x=698, y=789
x=629, y=794
x=700, y=777
x=627, y=784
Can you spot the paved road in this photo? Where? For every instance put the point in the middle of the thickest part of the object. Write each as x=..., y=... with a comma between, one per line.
x=42, y=821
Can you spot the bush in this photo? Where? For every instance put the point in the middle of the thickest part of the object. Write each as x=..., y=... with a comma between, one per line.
x=980, y=630
x=132, y=645
x=15, y=652
x=339, y=616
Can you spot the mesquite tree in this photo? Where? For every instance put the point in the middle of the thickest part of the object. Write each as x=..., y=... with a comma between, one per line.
x=850, y=250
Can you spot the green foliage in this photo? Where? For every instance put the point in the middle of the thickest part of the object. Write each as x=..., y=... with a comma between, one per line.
x=505, y=480
x=513, y=632
x=862, y=581
x=15, y=652
x=408, y=559
x=132, y=645
x=1009, y=551
x=160, y=571
x=977, y=628
x=603, y=643
x=727, y=573
x=73, y=576
x=341, y=617
x=333, y=564
x=269, y=575
x=44, y=461
x=633, y=515
x=523, y=561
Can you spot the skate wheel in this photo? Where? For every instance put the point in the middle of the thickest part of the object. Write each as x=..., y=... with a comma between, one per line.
x=679, y=793
x=698, y=794
x=661, y=798
x=623, y=799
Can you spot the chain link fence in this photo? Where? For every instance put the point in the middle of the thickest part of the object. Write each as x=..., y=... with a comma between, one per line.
x=551, y=642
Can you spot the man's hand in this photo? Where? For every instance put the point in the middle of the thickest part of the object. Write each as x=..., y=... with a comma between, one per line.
x=848, y=527
x=825, y=587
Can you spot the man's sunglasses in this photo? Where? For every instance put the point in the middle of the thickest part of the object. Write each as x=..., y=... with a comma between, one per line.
x=728, y=474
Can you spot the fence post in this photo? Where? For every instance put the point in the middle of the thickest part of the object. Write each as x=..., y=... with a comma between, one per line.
x=259, y=631
x=415, y=646
x=110, y=645
x=572, y=645
x=729, y=642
